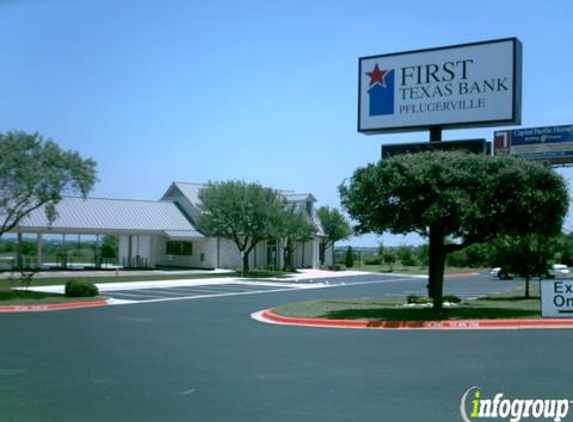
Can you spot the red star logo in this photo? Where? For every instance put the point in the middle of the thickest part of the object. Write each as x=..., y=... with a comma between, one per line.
x=377, y=76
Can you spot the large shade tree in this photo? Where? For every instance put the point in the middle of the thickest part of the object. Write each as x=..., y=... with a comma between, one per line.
x=246, y=213
x=456, y=200
x=36, y=173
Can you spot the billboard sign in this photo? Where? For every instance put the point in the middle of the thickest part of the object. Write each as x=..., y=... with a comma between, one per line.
x=550, y=143
x=557, y=298
x=470, y=85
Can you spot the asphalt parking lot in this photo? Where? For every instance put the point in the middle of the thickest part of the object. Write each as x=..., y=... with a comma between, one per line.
x=205, y=359
x=200, y=291
x=398, y=286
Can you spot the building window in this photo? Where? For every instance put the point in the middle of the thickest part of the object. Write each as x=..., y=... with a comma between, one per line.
x=179, y=248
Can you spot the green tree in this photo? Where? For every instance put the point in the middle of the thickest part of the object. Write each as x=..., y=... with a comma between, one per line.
x=109, y=248
x=423, y=255
x=477, y=255
x=455, y=200
x=335, y=227
x=407, y=256
x=565, y=249
x=349, y=257
x=389, y=258
x=35, y=173
x=526, y=256
x=246, y=213
x=293, y=229
x=458, y=258
x=381, y=249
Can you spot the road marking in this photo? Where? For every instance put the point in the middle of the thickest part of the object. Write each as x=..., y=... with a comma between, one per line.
x=291, y=288
x=173, y=299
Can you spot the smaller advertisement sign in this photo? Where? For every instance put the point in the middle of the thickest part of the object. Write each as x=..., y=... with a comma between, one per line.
x=550, y=143
x=557, y=298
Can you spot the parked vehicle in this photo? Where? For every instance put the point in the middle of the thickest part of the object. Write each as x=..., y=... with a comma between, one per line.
x=559, y=271
x=556, y=271
x=501, y=273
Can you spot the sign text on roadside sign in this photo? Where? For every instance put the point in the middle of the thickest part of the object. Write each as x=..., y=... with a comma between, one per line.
x=469, y=85
x=557, y=298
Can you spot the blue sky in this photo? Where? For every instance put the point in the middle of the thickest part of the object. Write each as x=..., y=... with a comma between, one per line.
x=163, y=90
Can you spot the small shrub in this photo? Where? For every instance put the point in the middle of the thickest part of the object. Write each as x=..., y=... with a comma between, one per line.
x=81, y=288
x=389, y=257
x=451, y=299
x=373, y=261
x=26, y=278
x=418, y=300
x=406, y=256
x=349, y=257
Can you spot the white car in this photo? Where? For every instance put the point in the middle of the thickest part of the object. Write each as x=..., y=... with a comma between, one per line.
x=556, y=271
x=499, y=273
x=559, y=271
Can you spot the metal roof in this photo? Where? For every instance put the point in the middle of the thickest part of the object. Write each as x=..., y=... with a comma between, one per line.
x=299, y=197
x=183, y=234
x=189, y=190
x=99, y=215
x=116, y=216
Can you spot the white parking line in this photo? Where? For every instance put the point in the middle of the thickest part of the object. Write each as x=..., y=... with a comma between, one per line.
x=290, y=288
x=132, y=295
x=173, y=299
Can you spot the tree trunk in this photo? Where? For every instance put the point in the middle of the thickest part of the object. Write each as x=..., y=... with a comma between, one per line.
x=287, y=256
x=245, y=262
x=527, y=287
x=332, y=264
x=19, y=253
x=285, y=259
x=437, y=265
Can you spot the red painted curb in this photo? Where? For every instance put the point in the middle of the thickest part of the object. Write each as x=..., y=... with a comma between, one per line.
x=495, y=324
x=52, y=306
x=461, y=275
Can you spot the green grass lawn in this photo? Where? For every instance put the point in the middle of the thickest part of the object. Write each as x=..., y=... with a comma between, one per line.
x=9, y=296
x=55, y=281
x=402, y=269
x=507, y=305
x=19, y=297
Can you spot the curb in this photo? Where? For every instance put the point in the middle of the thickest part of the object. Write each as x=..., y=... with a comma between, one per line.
x=268, y=316
x=53, y=306
x=456, y=275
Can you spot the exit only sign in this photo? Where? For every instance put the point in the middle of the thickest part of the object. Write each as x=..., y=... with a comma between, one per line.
x=557, y=298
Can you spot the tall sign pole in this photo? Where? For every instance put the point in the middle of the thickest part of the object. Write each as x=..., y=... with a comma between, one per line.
x=435, y=234
x=435, y=134
x=460, y=86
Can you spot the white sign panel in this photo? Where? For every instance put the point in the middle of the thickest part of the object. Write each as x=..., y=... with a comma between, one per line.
x=557, y=298
x=469, y=85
